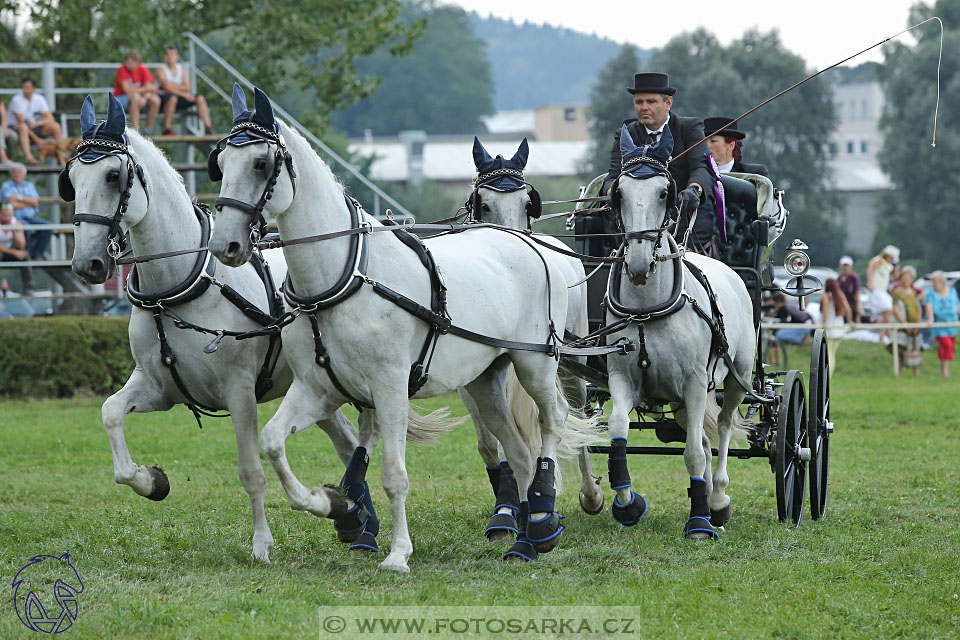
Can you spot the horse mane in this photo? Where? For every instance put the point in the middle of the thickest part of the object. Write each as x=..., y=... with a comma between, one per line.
x=156, y=165
x=296, y=140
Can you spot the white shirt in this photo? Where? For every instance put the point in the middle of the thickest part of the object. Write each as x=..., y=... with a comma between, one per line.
x=30, y=109
x=725, y=168
x=6, y=235
x=658, y=131
x=174, y=78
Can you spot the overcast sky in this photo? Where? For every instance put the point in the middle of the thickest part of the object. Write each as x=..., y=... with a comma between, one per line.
x=821, y=31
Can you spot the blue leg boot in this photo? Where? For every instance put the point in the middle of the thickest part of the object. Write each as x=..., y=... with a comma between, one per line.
x=508, y=496
x=352, y=526
x=545, y=532
x=630, y=513
x=699, y=523
x=522, y=549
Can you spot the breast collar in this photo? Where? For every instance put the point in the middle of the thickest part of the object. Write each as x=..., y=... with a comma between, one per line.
x=639, y=314
x=193, y=286
x=352, y=277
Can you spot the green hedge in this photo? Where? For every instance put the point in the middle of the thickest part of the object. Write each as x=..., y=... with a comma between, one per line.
x=57, y=357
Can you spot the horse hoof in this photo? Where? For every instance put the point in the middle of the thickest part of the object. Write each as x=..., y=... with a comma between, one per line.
x=521, y=551
x=698, y=528
x=500, y=526
x=365, y=542
x=630, y=514
x=584, y=504
x=721, y=517
x=161, y=486
x=544, y=533
x=338, y=502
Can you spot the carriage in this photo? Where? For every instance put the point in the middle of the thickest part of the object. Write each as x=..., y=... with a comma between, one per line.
x=789, y=422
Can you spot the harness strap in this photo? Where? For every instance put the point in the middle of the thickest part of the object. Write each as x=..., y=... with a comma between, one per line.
x=323, y=359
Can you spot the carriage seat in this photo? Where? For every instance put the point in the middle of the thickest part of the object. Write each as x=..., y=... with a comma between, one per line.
x=747, y=197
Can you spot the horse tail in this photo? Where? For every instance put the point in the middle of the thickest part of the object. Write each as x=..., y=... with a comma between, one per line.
x=576, y=432
x=711, y=423
x=423, y=429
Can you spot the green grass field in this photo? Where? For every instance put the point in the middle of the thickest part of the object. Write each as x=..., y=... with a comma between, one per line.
x=884, y=563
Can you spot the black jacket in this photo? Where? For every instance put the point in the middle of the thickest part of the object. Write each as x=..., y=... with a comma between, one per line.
x=745, y=167
x=692, y=167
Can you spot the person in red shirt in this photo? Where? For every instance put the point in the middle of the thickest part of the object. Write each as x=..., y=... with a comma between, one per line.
x=136, y=89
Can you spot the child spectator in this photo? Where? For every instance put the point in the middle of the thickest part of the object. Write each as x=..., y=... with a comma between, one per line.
x=136, y=89
x=32, y=119
x=942, y=305
x=176, y=96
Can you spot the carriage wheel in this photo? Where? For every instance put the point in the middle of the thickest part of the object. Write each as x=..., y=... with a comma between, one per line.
x=819, y=427
x=791, y=449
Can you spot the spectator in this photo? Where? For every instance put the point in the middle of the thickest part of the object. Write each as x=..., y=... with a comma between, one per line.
x=22, y=194
x=849, y=283
x=906, y=308
x=135, y=89
x=788, y=313
x=13, y=244
x=4, y=124
x=33, y=120
x=835, y=309
x=942, y=305
x=880, y=270
x=176, y=96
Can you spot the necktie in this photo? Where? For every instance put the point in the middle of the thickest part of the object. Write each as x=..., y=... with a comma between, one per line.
x=653, y=137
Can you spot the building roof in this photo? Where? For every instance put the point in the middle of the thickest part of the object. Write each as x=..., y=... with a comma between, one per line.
x=510, y=121
x=858, y=175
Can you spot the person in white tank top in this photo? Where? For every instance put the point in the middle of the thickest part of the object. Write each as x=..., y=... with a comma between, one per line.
x=177, y=96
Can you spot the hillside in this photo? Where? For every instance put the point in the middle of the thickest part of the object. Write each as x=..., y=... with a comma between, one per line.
x=534, y=65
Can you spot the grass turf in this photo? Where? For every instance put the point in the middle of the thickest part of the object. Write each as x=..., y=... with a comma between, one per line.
x=882, y=564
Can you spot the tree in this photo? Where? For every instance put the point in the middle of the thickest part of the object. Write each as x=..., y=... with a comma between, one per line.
x=610, y=106
x=788, y=135
x=442, y=86
x=921, y=212
x=311, y=43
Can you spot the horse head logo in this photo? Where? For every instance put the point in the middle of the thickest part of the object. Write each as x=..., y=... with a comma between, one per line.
x=44, y=574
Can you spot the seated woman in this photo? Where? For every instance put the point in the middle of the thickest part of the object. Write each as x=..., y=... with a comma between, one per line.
x=725, y=141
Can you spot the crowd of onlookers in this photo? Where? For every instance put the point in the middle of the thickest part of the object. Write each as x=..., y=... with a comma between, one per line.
x=893, y=296
x=28, y=123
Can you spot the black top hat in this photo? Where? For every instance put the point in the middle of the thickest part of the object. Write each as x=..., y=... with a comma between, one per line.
x=714, y=125
x=651, y=83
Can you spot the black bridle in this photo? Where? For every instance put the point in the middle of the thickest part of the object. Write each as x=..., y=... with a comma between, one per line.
x=281, y=158
x=670, y=213
x=474, y=203
x=116, y=241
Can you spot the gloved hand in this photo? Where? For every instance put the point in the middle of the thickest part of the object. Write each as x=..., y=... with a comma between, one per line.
x=688, y=200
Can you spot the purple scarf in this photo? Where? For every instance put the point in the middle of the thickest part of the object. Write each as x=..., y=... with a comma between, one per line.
x=718, y=198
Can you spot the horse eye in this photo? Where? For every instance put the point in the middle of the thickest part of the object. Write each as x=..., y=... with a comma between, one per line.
x=663, y=194
x=113, y=175
x=485, y=206
x=260, y=164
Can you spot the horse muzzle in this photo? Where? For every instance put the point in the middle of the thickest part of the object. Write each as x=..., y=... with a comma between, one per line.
x=93, y=271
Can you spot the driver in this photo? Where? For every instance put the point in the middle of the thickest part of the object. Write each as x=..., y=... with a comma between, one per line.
x=652, y=99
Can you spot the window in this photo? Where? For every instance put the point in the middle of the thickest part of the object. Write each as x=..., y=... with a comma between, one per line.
x=865, y=109
x=833, y=149
x=570, y=114
x=863, y=146
x=850, y=147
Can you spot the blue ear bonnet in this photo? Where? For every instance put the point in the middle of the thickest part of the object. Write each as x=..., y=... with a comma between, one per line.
x=630, y=153
x=262, y=115
x=111, y=130
x=486, y=164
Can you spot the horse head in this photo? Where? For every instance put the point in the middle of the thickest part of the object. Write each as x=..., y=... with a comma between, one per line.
x=499, y=195
x=642, y=198
x=34, y=583
x=109, y=188
x=249, y=161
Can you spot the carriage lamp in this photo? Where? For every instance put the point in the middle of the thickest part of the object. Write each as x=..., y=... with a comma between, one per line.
x=797, y=262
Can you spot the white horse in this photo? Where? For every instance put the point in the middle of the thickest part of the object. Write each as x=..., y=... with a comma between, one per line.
x=500, y=197
x=365, y=344
x=160, y=218
x=681, y=357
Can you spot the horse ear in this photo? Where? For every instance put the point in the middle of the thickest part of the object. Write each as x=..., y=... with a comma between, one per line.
x=262, y=109
x=480, y=155
x=626, y=142
x=88, y=117
x=116, y=117
x=664, y=147
x=239, y=100
x=519, y=159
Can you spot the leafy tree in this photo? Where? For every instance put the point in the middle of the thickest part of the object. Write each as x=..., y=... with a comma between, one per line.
x=920, y=213
x=609, y=105
x=311, y=44
x=443, y=86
